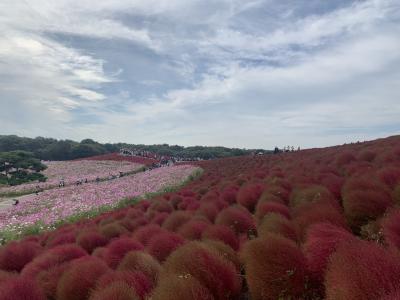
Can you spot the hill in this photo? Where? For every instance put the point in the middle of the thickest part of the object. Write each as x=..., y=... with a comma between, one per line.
x=313, y=224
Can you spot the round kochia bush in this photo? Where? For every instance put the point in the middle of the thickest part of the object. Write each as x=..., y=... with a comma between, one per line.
x=237, y=218
x=21, y=288
x=275, y=268
x=215, y=272
x=80, y=278
x=117, y=249
x=277, y=224
x=362, y=270
x=322, y=239
x=15, y=255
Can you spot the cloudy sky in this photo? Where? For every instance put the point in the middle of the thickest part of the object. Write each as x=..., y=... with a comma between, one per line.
x=255, y=73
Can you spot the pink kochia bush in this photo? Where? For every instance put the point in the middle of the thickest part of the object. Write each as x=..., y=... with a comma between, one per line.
x=322, y=239
x=277, y=224
x=264, y=208
x=362, y=270
x=275, y=268
x=117, y=290
x=215, y=272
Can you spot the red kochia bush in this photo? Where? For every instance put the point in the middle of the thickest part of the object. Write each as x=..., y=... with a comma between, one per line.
x=275, y=268
x=204, y=263
x=145, y=233
x=193, y=229
x=361, y=206
x=112, y=230
x=142, y=262
x=362, y=270
x=391, y=228
x=136, y=280
x=53, y=257
x=237, y=218
x=277, y=224
x=20, y=288
x=90, y=240
x=176, y=220
x=322, y=239
x=118, y=290
x=390, y=176
x=222, y=233
x=209, y=210
x=181, y=287
x=317, y=213
x=264, y=208
x=249, y=194
x=161, y=245
x=117, y=249
x=78, y=280
x=15, y=255
x=159, y=218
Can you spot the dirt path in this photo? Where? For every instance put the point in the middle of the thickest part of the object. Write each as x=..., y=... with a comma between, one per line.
x=7, y=202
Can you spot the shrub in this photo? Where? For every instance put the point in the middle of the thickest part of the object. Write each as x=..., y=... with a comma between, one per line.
x=161, y=206
x=193, y=229
x=181, y=287
x=80, y=278
x=159, y=218
x=60, y=239
x=142, y=262
x=269, y=197
x=237, y=218
x=90, y=240
x=362, y=206
x=391, y=228
x=322, y=240
x=117, y=249
x=389, y=176
x=367, y=155
x=277, y=224
x=264, y=208
x=51, y=258
x=48, y=279
x=275, y=268
x=176, y=220
x=248, y=195
x=112, y=230
x=136, y=280
x=20, y=288
x=210, y=211
x=344, y=158
x=222, y=233
x=145, y=233
x=229, y=194
x=163, y=244
x=118, y=290
x=312, y=194
x=224, y=251
x=5, y=276
x=362, y=270
x=15, y=255
x=317, y=213
x=205, y=264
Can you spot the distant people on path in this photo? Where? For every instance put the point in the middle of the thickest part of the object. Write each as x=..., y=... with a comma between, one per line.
x=62, y=183
x=16, y=201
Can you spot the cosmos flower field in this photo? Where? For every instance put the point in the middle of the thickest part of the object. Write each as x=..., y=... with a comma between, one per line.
x=72, y=171
x=313, y=224
x=57, y=204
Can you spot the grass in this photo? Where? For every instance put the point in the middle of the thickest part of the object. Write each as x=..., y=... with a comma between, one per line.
x=16, y=233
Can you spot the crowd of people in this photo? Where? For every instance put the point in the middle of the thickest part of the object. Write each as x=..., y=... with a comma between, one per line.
x=163, y=160
x=286, y=149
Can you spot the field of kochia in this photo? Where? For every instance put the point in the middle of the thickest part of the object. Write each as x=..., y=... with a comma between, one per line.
x=312, y=224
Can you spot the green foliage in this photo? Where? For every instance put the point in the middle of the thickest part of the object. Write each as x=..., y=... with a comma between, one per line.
x=19, y=167
x=52, y=149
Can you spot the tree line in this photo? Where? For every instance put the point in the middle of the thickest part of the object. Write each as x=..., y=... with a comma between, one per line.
x=53, y=149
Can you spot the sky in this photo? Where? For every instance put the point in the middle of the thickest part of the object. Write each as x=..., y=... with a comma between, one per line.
x=246, y=74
